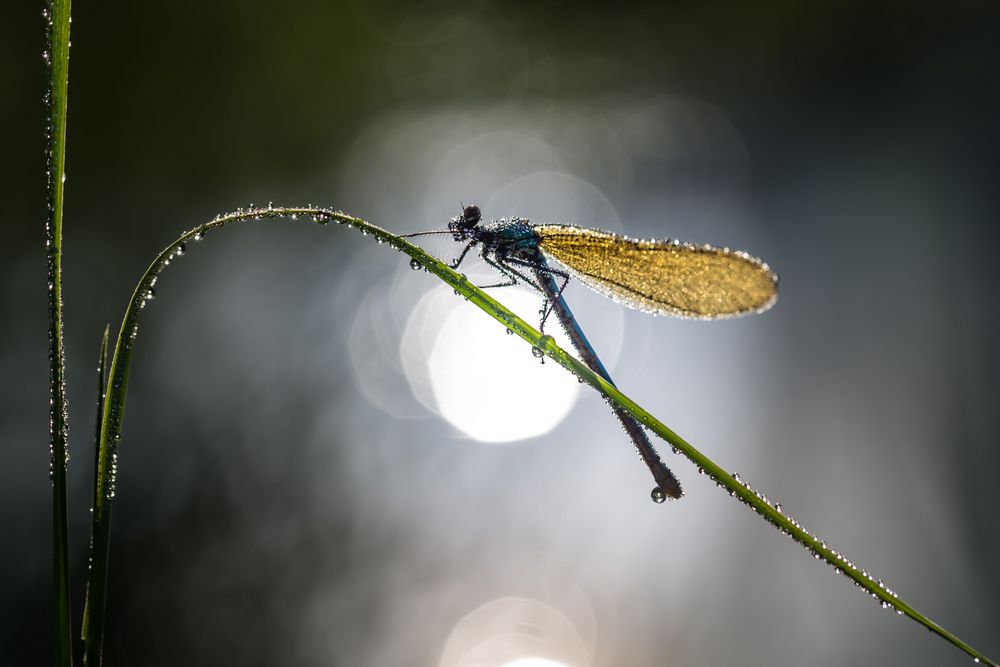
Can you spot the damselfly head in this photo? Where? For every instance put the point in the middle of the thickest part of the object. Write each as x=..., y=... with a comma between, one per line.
x=471, y=215
x=462, y=224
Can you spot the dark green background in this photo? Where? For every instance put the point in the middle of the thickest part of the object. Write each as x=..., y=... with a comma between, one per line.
x=871, y=158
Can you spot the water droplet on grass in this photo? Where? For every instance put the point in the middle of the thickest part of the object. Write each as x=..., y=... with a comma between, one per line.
x=416, y=265
x=658, y=495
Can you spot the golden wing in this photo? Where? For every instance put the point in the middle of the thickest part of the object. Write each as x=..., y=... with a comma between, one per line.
x=663, y=277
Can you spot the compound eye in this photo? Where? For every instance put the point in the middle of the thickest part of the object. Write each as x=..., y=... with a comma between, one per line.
x=471, y=216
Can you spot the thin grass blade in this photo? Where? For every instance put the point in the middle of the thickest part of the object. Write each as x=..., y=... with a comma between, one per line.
x=102, y=383
x=57, y=16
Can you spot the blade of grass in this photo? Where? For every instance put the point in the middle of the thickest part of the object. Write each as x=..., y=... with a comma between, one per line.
x=57, y=17
x=114, y=409
x=741, y=490
x=118, y=379
x=102, y=382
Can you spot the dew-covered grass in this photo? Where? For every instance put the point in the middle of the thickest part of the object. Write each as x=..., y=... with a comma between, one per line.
x=113, y=373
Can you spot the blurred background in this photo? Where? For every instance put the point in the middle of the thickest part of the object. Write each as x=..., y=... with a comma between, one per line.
x=328, y=459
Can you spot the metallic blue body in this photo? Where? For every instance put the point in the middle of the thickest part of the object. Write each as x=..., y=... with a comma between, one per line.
x=513, y=248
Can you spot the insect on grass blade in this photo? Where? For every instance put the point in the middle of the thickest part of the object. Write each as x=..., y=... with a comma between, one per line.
x=660, y=277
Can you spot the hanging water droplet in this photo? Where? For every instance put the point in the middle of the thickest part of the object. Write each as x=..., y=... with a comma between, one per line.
x=658, y=495
x=199, y=235
x=415, y=264
x=537, y=352
x=510, y=332
x=150, y=294
x=181, y=249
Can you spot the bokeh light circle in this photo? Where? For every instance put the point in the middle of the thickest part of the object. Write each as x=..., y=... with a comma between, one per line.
x=516, y=632
x=486, y=383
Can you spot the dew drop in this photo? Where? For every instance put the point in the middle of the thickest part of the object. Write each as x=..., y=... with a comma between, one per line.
x=415, y=264
x=658, y=495
x=150, y=294
x=537, y=352
x=199, y=235
x=181, y=249
x=510, y=332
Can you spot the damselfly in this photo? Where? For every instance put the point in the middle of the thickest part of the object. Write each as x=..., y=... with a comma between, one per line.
x=660, y=277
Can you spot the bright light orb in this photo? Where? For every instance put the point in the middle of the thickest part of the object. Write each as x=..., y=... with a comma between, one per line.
x=534, y=662
x=488, y=384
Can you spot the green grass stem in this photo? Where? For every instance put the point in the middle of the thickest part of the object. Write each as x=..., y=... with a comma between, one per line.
x=57, y=17
x=114, y=406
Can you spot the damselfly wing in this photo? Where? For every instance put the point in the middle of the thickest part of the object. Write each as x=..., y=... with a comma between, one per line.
x=662, y=277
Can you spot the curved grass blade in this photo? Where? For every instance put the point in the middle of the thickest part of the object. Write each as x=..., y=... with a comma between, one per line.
x=57, y=18
x=118, y=380
x=114, y=405
x=736, y=488
x=102, y=382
